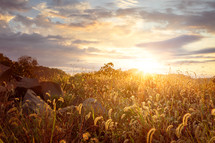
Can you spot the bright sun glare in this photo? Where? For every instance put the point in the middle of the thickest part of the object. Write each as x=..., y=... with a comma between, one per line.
x=148, y=66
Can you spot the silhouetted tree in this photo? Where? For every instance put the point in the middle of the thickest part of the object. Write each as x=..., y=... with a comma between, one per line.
x=5, y=60
x=25, y=66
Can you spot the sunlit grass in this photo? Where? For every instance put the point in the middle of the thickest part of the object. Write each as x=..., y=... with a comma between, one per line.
x=149, y=108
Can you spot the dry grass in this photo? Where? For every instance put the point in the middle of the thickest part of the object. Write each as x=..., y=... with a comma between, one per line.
x=140, y=108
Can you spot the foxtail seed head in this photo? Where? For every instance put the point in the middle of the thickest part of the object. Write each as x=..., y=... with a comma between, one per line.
x=150, y=135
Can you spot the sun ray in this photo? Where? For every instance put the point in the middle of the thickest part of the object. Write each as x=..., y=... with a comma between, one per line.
x=148, y=66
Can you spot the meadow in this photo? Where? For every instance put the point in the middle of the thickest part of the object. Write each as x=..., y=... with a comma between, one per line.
x=149, y=108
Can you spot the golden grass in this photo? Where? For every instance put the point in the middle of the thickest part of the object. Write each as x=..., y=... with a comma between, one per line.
x=149, y=108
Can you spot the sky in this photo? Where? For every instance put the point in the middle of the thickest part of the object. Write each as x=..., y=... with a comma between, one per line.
x=158, y=36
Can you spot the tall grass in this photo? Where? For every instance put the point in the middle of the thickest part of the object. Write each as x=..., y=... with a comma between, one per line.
x=140, y=108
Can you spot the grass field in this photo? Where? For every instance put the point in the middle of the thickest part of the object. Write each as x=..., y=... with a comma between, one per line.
x=140, y=108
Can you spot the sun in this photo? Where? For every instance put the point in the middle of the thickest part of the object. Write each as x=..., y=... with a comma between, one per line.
x=148, y=66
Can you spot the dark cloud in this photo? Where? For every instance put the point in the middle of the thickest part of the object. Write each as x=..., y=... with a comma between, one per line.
x=196, y=17
x=35, y=45
x=84, y=42
x=197, y=52
x=170, y=45
x=195, y=57
x=79, y=25
x=204, y=51
x=156, y=16
x=64, y=2
x=110, y=4
x=92, y=49
x=88, y=15
x=185, y=4
x=174, y=46
x=70, y=8
x=55, y=37
x=4, y=27
x=43, y=21
x=82, y=16
x=18, y=37
x=83, y=24
x=100, y=12
x=42, y=48
x=29, y=38
x=193, y=6
x=14, y=5
x=197, y=21
x=192, y=62
x=39, y=20
x=24, y=20
x=205, y=20
x=127, y=11
x=211, y=4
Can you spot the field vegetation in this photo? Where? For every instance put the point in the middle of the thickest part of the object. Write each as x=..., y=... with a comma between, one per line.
x=139, y=108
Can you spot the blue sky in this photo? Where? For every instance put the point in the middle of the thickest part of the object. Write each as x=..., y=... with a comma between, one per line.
x=151, y=35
